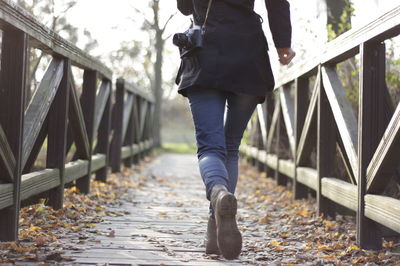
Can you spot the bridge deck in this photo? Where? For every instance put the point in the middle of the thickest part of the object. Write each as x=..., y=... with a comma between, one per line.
x=164, y=222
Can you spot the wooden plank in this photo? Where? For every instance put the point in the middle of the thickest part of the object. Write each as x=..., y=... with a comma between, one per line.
x=98, y=161
x=372, y=82
x=280, y=179
x=142, y=120
x=12, y=16
x=288, y=107
x=132, y=88
x=118, y=117
x=384, y=210
x=37, y=147
x=340, y=192
x=308, y=177
x=57, y=136
x=287, y=168
x=38, y=182
x=40, y=105
x=127, y=114
x=326, y=150
x=6, y=195
x=14, y=61
x=309, y=131
x=263, y=124
x=385, y=159
x=346, y=161
x=300, y=114
x=88, y=103
x=75, y=170
x=101, y=102
x=272, y=128
x=6, y=158
x=103, y=139
x=343, y=114
x=132, y=131
x=77, y=124
x=345, y=46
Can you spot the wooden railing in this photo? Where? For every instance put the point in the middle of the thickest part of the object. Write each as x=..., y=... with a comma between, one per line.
x=83, y=121
x=369, y=146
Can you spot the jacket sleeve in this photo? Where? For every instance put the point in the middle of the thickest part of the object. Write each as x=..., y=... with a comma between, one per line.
x=279, y=22
x=185, y=7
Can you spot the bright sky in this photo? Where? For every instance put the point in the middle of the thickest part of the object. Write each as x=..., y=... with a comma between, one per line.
x=113, y=22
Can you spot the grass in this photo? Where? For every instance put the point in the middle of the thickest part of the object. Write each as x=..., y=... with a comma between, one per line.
x=180, y=148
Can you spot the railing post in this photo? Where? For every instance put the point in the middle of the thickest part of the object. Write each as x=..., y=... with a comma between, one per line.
x=326, y=149
x=57, y=136
x=130, y=134
x=103, y=137
x=118, y=117
x=13, y=74
x=88, y=103
x=300, y=103
x=372, y=123
x=281, y=180
x=270, y=107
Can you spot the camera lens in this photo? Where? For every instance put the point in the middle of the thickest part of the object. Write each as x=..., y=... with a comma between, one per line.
x=180, y=40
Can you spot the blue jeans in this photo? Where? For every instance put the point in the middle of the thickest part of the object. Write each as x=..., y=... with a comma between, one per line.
x=219, y=134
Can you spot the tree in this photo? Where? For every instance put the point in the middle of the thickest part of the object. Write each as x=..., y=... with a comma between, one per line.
x=53, y=14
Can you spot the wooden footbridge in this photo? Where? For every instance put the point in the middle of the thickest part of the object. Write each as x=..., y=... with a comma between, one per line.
x=92, y=127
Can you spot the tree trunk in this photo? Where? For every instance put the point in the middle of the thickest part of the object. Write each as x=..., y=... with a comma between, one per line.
x=158, y=91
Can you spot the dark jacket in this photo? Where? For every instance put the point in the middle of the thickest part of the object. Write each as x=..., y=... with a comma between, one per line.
x=234, y=56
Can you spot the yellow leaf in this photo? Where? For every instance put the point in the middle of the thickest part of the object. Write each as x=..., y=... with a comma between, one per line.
x=354, y=247
x=274, y=243
x=303, y=213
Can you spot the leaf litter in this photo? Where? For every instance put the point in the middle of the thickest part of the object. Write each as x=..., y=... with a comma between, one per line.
x=45, y=233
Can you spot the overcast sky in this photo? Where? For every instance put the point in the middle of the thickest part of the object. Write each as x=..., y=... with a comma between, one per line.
x=113, y=22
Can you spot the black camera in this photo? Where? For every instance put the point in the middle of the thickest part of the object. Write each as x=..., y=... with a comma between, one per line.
x=189, y=41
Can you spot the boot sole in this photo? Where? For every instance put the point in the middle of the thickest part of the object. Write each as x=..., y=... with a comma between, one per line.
x=229, y=237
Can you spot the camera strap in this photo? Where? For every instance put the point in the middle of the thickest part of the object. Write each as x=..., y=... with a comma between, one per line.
x=203, y=28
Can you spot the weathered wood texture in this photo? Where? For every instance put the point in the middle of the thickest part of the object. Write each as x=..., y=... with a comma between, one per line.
x=369, y=145
x=14, y=60
x=70, y=117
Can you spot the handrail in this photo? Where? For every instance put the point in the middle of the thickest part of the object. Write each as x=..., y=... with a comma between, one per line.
x=99, y=128
x=367, y=145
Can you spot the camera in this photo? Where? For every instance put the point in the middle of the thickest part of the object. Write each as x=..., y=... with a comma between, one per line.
x=189, y=41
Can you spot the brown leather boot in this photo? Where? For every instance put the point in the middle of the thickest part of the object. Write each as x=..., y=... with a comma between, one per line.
x=229, y=238
x=211, y=238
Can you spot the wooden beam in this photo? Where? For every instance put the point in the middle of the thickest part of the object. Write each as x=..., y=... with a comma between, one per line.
x=88, y=103
x=57, y=137
x=343, y=114
x=326, y=150
x=77, y=124
x=101, y=102
x=340, y=192
x=127, y=114
x=104, y=130
x=288, y=107
x=132, y=88
x=6, y=158
x=272, y=128
x=385, y=159
x=14, y=62
x=40, y=105
x=118, y=117
x=263, y=124
x=300, y=112
x=384, y=210
x=36, y=147
x=372, y=84
x=309, y=132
